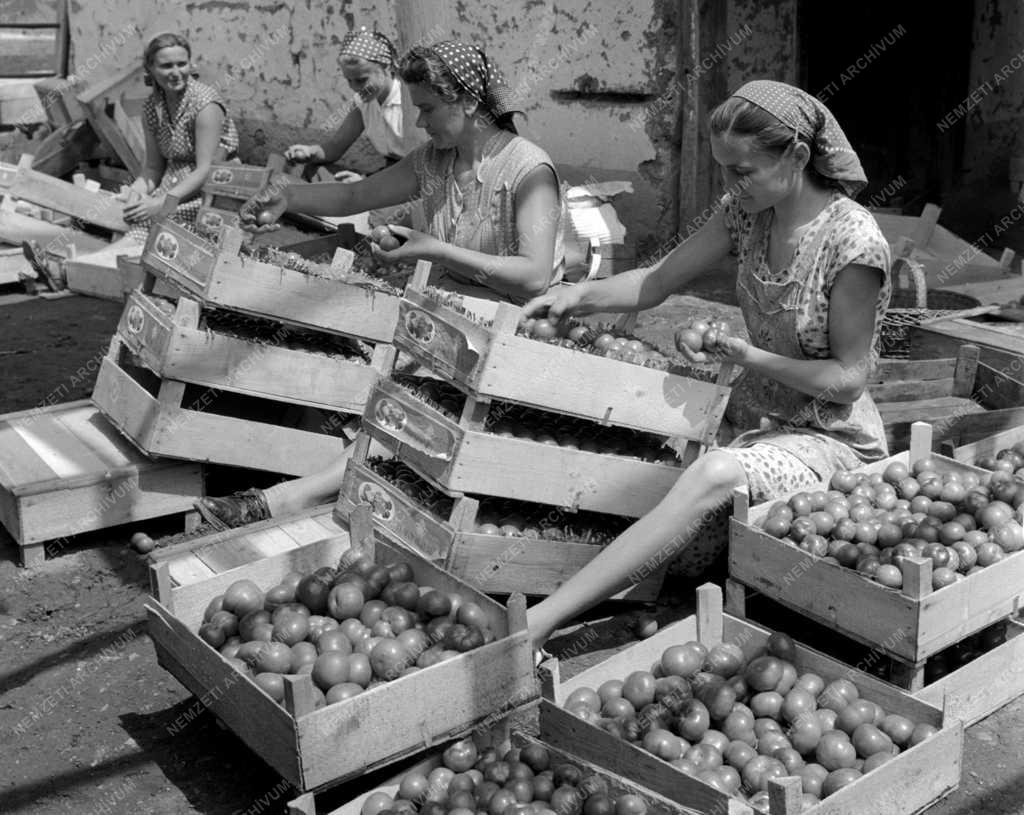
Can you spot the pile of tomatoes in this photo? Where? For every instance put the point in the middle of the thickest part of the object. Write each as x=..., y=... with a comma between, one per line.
x=736, y=723
x=523, y=781
x=963, y=523
x=604, y=341
x=700, y=335
x=347, y=627
x=519, y=519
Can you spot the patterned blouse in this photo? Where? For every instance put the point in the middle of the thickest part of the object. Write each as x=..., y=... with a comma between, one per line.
x=478, y=211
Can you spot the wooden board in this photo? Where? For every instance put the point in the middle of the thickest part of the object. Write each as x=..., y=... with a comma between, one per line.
x=16, y=227
x=497, y=364
x=907, y=626
x=174, y=346
x=106, y=104
x=911, y=781
x=330, y=744
x=163, y=428
x=459, y=460
x=216, y=275
x=617, y=784
x=1001, y=347
x=99, y=208
x=65, y=470
x=492, y=563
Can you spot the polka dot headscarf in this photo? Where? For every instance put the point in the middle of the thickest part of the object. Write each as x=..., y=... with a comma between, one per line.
x=476, y=75
x=371, y=45
x=833, y=156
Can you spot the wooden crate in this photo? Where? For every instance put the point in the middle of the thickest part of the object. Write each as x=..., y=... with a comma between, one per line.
x=92, y=206
x=113, y=107
x=201, y=557
x=218, y=276
x=175, y=345
x=1001, y=342
x=910, y=782
x=312, y=748
x=155, y=415
x=909, y=624
x=495, y=363
x=617, y=784
x=495, y=564
x=461, y=456
x=64, y=470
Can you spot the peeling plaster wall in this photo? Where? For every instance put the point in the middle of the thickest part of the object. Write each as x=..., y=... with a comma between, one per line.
x=994, y=105
x=592, y=76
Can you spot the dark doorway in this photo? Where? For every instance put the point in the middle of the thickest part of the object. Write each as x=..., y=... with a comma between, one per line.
x=891, y=71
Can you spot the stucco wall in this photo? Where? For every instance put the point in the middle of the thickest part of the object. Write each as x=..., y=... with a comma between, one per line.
x=994, y=106
x=589, y=73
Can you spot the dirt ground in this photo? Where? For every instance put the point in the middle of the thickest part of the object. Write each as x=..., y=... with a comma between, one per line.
x=88, y=717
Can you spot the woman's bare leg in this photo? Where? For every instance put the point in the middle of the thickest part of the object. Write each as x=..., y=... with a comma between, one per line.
x=652, y=541
x=309, y=491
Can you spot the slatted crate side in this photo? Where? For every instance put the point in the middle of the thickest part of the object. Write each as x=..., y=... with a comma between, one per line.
x=921, y=775
x=989, y=446
x=496, y=363
x=463, y=691
x=985, y=684
x=145, y=328
x=99, y=207
x=394, y=511
x=617, y=784
x=183, y=258
x=239, y=181
x=163, y=428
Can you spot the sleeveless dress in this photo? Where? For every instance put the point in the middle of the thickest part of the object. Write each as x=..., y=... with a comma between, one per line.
x=477, y=210
x=176, y=139
x=792, y=440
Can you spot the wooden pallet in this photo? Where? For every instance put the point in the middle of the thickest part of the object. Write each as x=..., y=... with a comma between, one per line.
x=313, y=748
x=908, y=625
x=495, y=564
x=460, y=456
x=219, y=276
x=91, y=206
x=617, y=783
x=913, y=780
x=156, y=416
x=173, y=343
x=64, y=470
x=495, y=363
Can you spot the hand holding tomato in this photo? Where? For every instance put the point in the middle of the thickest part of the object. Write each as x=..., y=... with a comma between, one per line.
x=556, y=306
x=406, y=245
x=262, y=212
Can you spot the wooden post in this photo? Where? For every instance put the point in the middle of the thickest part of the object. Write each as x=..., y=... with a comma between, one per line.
x=785, y=795
x=920, y=441
x=926, y=225
x=709, y=614
x=422, y=22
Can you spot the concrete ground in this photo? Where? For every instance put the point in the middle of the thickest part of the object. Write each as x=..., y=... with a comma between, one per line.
x=87, y=717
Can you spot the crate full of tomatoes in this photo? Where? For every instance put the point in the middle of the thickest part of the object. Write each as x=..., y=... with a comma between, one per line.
x=319, y=658
x=713, y=712
x=910, y=555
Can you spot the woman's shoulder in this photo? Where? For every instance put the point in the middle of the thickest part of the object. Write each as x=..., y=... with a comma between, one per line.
x=853, y=223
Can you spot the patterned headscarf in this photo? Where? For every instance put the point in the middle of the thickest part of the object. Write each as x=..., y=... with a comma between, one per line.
x=832, y=155
x=477, y=75
x=371, y=45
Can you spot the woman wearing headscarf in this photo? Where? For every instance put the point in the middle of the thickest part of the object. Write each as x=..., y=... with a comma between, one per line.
x=492, y=207
x=382, y=111
x=813, y=283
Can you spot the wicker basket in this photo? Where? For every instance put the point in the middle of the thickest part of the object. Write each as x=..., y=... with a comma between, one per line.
x=909, y=308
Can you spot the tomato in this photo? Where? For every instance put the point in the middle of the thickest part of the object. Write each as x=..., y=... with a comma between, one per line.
x=584, y=696
x=544, y=329
x=835, y=751
x=463, y=637
x=460, y=756
x=638, y=688
x=763, y=673
x=1009, y=536
x=242, y=597
x=988, y=553
x=689, y=338
x=681, y=660
x=663, y=744
x=272, y=684
x=388, y=658
x=330, y=668
x=693, y=720
x=472, y=614
x=724, y=659
x=805, y=733
x=839, y=778
x=264, y=217
x=868, y=740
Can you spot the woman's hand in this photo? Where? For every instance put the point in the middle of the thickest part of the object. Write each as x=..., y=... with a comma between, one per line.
x=558, y=305
x=299, y=153
x=147, y=208
x=415, y=246
x=262, y=212
x=726, y=348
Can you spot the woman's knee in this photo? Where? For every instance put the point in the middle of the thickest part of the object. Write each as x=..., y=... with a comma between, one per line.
x=717, y=473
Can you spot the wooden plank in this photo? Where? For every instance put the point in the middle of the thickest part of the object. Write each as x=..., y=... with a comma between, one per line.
x=16, y=227
x=997, y=390
x=250, y=713
x=96, y=208
x=985, y=335
x=983, y=685
x=933, y=410
x=500, y=565
x=901, y=391
x=188, y=569
x=305, y=530
x=19, y=462
x=990, y=445
x=889, y=370
x=94, y=280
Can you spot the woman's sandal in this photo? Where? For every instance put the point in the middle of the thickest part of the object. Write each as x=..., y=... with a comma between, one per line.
x=233, y=511
x=39, y=260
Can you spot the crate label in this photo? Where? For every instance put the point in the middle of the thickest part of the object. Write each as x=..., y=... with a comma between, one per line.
x=209, y=222
x=135, y=319
x=420, y=432
x=446, y=345
x=236, y=180
x=381, y=504
x=173, y=249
